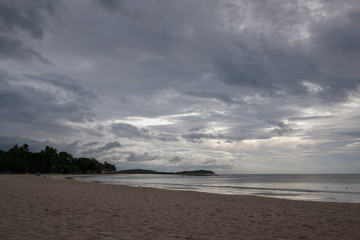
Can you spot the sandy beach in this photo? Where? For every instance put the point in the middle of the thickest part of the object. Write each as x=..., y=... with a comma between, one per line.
x=34, y=207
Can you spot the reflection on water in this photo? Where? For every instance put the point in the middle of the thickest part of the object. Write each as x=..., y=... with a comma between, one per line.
x=313, y=187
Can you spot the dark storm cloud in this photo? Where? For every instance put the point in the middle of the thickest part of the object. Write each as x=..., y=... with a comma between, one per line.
x=198, y=137
x=351, y=134
x=135, y=157
x=226, y=70
x=23, y=16
x=266, y=70
x=7, y=142
x=67, y=84
x=337, y=50
x=167, y=137
x=275, y=65
x=343, y=36
x=108, y=146
x=42, y=107
x=281, y=128
x=308, y=118
x=196, y=129
x=221, y=96
x=129, y=131
x=93, y=132
x=116, y=5
x=260, y=59
x=91, y=144
x=175, y=159
x=15, y=49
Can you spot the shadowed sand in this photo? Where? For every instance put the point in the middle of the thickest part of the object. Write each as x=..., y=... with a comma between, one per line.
x=41, y=208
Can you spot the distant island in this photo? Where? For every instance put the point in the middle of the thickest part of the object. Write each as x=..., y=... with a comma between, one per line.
x=187, y=173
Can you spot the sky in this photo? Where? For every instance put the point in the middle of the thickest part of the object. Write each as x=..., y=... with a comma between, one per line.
x=261, y=86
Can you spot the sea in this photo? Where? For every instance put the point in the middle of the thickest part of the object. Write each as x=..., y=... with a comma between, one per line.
x=307, y=187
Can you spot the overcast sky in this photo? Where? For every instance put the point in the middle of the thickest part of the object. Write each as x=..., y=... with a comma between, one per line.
x=231, y=86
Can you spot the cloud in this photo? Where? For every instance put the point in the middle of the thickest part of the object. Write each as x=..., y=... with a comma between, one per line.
x=18, y=17
x=198, y=137
x=167, y=137
x=175, y=159
x=132, y=132
x=91, y=144
x=108, y=146
x=249, y=82
x=26, y=16
x=65, y=83
x=45, y=107
x=134, y=157
x=221, y=96
x=129, y=131
x=7, y=142
x=281, y=128
x=341, y=35
x=122, y=6
x=15, y=49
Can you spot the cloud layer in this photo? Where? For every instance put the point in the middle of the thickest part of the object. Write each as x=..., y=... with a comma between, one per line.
x=233, y=86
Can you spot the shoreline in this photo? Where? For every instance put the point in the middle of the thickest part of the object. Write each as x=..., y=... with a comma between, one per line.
x=297, y=194
x=51, y=208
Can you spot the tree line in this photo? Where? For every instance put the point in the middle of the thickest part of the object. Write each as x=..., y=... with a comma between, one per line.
x=20, y=160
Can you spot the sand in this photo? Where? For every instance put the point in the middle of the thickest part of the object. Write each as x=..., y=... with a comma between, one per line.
x=34, y=207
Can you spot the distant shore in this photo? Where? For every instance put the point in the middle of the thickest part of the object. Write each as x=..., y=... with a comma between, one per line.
x=186, y=173
x=50, y=208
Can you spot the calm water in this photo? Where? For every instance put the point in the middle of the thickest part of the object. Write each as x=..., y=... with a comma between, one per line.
x=313, y=187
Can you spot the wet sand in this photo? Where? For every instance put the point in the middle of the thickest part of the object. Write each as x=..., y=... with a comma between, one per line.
x=34, y=207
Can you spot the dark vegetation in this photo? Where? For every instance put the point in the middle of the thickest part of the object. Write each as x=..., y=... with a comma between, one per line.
x=20, y=160
x=188, y=173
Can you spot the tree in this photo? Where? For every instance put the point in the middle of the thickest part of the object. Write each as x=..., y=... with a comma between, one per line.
x=21, y=160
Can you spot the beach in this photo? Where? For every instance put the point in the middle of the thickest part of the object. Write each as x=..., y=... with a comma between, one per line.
x=39, y=207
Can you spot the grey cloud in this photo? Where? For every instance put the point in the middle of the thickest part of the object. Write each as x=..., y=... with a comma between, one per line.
x=15, y=49
x=25, y=16
x=261, y=59
x=266, y=70
x=221, y=96
x=91, y=144
x=166, y=137
x=7, y=142
x=66, y=83
x=93, y=132
x=355, y=134
x=255, y=61
x=308, y=118
x=198, y=137
x=343, y=37
x=41, y=108
x=282, y=130
x=229, y=65
x=122, y=6
x=129, y=131
x=74, y=144
x=108, y=146
x=196, y=129
x=175, y=159
x=134, y=157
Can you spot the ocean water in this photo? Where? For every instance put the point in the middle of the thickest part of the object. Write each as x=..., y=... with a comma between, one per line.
x=310, y=187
